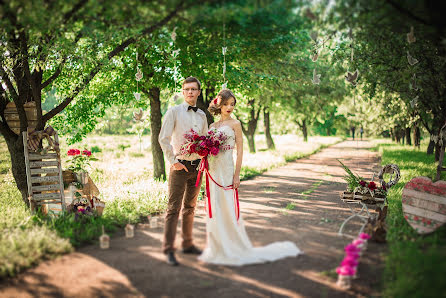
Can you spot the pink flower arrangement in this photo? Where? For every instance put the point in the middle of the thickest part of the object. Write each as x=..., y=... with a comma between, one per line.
x=364, y=236
x=350, y=261
x=211, y=144
x=352, y=249
x=346, y=270
x=358, y=242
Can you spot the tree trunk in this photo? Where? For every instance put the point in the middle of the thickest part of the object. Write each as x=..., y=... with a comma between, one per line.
x=15, y=148
x=201, y=104
x=408, y=140
x=251, y=143
x=305, y=130
x=416, y=136
x=430, y=147
x=269, y=138
x=437, y=151
x=252, y=125
x=159, y=171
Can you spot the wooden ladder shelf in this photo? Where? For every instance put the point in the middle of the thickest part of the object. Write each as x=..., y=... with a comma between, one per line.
x=44, y=177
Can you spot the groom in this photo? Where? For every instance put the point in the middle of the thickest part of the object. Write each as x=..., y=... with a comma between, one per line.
x=183, y=170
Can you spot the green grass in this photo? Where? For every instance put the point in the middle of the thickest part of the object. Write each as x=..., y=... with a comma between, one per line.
x=290, y=206
x=415, y=264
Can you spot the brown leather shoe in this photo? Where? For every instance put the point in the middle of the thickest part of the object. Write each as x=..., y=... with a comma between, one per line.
x=192, y=250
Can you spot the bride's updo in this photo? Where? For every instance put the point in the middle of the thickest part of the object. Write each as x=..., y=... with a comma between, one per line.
x=222, y=98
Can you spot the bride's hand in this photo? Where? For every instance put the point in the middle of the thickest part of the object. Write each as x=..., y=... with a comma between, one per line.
x=236, y=181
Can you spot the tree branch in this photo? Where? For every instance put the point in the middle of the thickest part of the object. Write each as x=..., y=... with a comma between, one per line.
x=408, y=13
x=5, y=78
x=67, y=16
x=113, y=53
x=54, y=75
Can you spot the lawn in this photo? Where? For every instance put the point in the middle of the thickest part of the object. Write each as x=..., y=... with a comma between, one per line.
x=123, y=174
x=415, y=264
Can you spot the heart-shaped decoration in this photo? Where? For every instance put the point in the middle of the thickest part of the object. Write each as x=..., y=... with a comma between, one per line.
x=424, y=204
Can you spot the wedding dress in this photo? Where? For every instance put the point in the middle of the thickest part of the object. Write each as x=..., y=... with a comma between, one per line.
x=227, y=241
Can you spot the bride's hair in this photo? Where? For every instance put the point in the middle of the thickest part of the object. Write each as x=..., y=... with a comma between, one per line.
x=224, y=96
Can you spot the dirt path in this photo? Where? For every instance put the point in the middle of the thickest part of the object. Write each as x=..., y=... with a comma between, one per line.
x=309, y=187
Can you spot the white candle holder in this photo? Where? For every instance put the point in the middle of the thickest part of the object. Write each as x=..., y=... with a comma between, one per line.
x=154, y=222
x=129, y=231
x=104, y=240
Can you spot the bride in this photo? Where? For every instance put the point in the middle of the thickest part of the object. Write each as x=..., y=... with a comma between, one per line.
x=227, y=241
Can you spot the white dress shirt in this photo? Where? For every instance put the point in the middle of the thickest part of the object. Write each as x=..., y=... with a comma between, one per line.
x=178, y=120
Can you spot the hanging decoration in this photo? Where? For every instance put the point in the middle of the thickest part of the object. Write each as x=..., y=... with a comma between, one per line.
x=175, y=54
x=351, y=77
x=412, y=61
x=137, y=116
x=316, y=78
x=224, y=49
x=414, y=101
x=413, y=83
x=138, y=77
x=410, y=36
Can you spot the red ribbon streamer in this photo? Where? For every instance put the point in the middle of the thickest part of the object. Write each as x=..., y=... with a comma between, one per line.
x=204, y=167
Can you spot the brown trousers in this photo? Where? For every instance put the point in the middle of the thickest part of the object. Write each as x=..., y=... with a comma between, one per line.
x=181, y=190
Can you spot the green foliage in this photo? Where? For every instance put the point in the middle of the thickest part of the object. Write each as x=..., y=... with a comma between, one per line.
x=123, y=147
x=415, y=264
x=352, y=179
x=95, y=149
x=81, y=229
x=385, y=80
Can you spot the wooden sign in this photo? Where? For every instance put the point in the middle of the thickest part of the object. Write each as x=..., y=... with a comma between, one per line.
x=424, y=204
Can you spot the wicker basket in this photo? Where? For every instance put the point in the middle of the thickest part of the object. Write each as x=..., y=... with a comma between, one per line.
x=364, y=198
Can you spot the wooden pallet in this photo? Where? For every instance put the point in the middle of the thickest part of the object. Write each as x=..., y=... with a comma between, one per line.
x=44, y=177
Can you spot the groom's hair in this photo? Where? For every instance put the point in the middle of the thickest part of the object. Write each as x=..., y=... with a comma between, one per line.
x=192, y=80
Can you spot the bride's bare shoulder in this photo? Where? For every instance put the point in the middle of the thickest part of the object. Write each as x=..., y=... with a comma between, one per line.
x=235, y=123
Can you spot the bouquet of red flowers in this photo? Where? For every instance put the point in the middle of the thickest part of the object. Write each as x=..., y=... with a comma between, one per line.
x=211, y=143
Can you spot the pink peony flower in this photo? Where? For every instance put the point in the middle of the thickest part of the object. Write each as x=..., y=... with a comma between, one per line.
x=349, y=261
x=351, y=248
x=364, y=236
x=354, y=255
x=214, y=150
x=346, y=270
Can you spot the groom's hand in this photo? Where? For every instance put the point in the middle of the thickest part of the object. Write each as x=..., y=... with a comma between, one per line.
x=178, y=166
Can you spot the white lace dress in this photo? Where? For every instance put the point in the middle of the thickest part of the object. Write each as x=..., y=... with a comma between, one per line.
x=227, y=241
